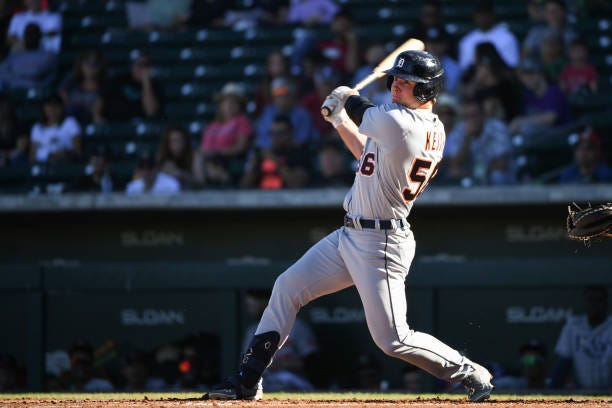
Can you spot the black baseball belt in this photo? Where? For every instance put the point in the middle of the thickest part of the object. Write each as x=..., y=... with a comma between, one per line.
x=374, y=224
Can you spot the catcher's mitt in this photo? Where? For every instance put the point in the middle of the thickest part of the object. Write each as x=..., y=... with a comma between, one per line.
x=591, y=222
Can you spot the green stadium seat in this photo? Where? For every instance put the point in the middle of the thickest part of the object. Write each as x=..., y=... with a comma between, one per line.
x=93, y=22
x=123, y=130
x=80, y=7
x=193, y=90
x=276, y=35
x=189, y=110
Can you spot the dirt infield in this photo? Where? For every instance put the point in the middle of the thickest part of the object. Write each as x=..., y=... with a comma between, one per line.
x=297, y=403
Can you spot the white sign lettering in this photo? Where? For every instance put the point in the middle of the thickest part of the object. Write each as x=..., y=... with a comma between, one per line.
x=537, y=314
x=151, y=238
x=323, y=315
x=151, y=317
x=535, y=233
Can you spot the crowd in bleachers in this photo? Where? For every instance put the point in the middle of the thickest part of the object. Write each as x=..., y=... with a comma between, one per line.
x=162, y=97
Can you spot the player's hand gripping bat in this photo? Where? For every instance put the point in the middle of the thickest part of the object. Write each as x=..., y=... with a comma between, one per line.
x=378, y=72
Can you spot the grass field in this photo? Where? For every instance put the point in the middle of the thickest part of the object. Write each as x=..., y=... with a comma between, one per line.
x=295, y=399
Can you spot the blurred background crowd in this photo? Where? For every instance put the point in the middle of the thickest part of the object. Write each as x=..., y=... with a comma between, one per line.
x=168, y=96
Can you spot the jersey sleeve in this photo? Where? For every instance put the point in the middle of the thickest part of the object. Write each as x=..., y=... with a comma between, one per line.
x=564, y=343
x=381, y=124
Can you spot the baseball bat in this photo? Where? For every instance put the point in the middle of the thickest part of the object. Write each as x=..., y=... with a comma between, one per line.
x=378, y=71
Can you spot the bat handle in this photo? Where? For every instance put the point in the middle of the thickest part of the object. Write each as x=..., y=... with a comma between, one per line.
x=327, y=108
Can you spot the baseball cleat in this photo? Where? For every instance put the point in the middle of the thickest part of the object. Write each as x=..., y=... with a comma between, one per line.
x=478, y=384
x=231, y=389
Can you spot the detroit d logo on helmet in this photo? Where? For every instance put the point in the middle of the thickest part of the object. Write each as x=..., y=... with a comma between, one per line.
x=400, y=63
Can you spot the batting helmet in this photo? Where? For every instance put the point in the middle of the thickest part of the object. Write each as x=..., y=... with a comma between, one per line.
x=420, y=67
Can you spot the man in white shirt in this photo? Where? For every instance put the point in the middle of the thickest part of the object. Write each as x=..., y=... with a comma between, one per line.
x=586, y=344
x=147, y=179
x=50, y=24
x=487, y=31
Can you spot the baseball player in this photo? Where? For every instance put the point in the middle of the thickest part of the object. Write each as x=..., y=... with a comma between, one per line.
x=399, y=146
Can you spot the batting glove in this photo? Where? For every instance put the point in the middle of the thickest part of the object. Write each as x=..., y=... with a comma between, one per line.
x=343, y=92
x=337, y=113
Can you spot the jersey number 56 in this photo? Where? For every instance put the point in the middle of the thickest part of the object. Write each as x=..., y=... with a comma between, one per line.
x=419, y=175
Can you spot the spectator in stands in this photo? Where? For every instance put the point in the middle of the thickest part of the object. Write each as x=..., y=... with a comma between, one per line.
x=177, y=158
x=311, y=12
x=228, y=137
x=535, y=12
x=493, y=82
x=588, y=165
x=282, y=164
x=487, y=31
x=368, y=373
x=210, y=13
x=447, y=109
x=56, y=136
x=168, y=15
x=307, y=15
x=14, y=140
x=552, y=56
x=375, y=52
x=544, y=104
x=99, y=177
x=136, y=373
x=147, y=179
x=31, y=67
x=579, y=75
x=437, y=43
x=199, y=367
x=479, y=148
x=304, y=80
x=8, y=373
x=284, y=102
x=7, y=9
x=82, y=376
x=326, y=78
x=138, y=96
x=166, y=366
x=555, y=15
x=158, y=14
x=287, y=372
x=49, y=22
x=585, y=343
x=533, y=370
x=333, y=167
x=84, y=88
x=430, y=23
x=342, y=50
x=277, y=66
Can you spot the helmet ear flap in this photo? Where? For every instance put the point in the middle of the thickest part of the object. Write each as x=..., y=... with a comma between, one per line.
x=390, y=79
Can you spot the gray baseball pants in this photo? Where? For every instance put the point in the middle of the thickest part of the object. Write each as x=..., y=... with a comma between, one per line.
x=377, y=263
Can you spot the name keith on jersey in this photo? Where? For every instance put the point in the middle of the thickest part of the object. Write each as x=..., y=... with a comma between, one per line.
x=435, y=141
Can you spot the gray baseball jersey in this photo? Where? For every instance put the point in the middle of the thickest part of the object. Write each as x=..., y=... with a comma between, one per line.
x=401, y=153
x=590, y=350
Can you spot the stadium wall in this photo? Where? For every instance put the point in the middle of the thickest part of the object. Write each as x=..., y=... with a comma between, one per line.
x=493, y=269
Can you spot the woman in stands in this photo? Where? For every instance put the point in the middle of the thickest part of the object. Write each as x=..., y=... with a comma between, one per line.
x=55, y=137
x=82, y=89
x=277, y=67
x=177, y=158
x=228, y=137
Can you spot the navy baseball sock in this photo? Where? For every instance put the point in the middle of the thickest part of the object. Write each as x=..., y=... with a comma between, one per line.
x=258, y=357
